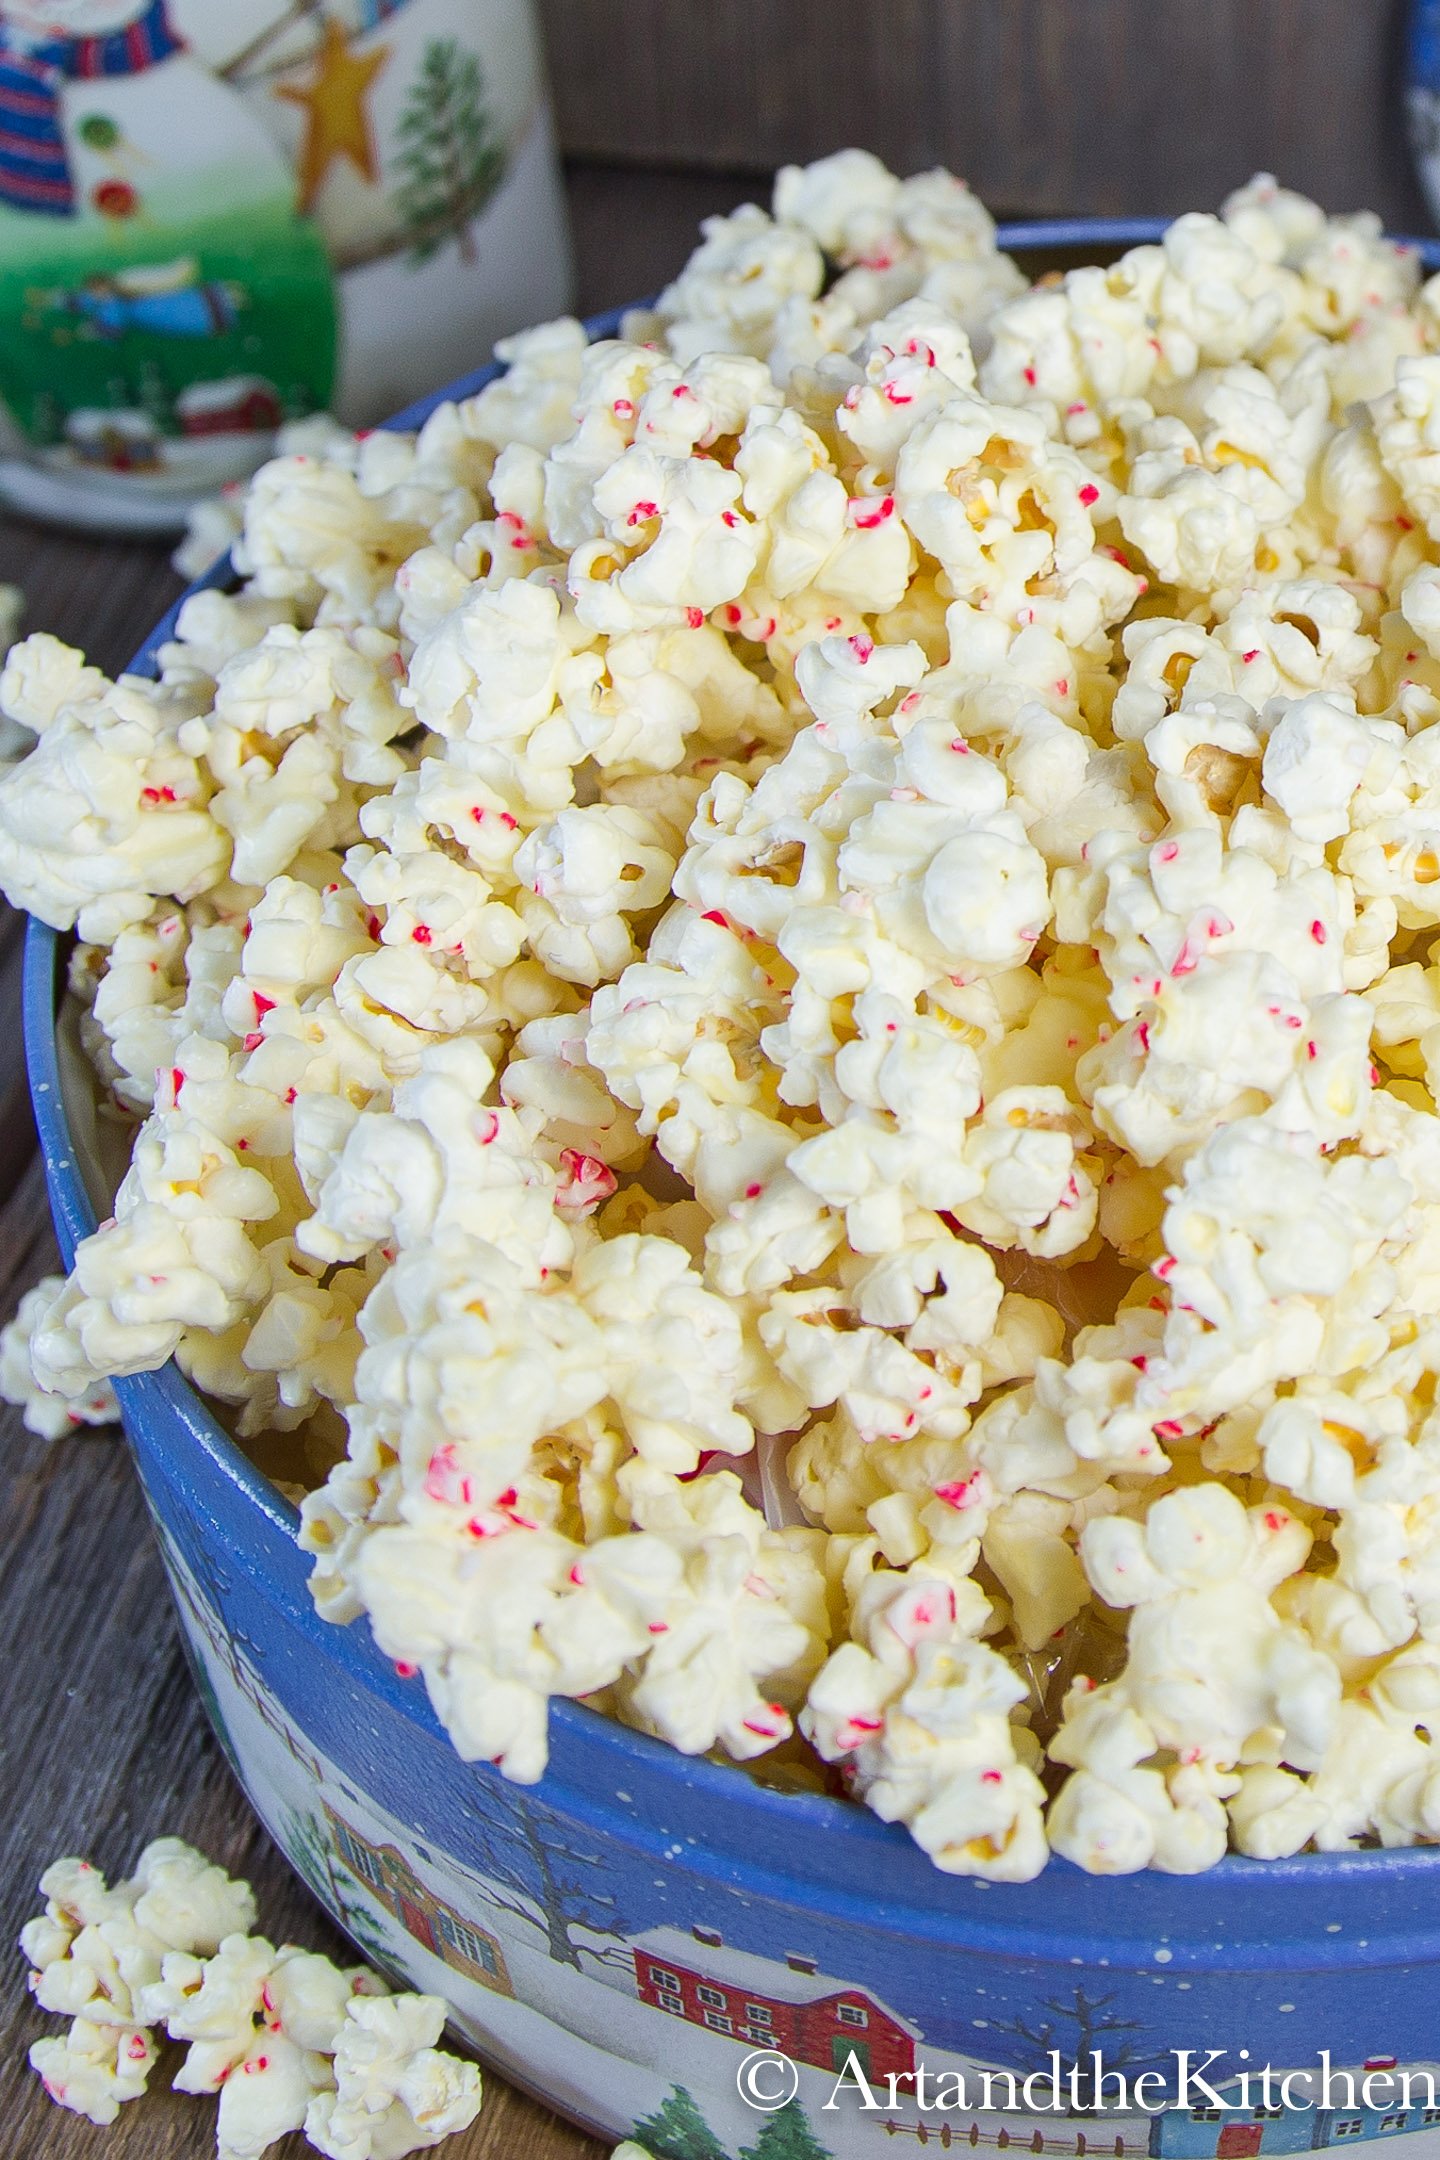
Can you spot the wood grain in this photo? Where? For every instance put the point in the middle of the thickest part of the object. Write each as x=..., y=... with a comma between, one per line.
x=102, y=595
x=1100, y=106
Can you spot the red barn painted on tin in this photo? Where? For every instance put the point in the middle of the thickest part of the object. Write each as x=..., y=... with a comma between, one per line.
x=793, y=2008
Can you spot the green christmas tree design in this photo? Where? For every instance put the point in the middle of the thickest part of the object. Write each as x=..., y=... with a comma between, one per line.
x=787, y=2136
x=307, y=1848
x=678, y=2131
x=448, y=156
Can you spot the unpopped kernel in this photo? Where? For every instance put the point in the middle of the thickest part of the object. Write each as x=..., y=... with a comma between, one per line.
x=779, y=994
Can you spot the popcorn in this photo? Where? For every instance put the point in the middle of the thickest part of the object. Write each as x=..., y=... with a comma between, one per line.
x=108, y=812
x=588, y=871
x=47, y=1414
x=1212, y=1674
x=94, y=2069
x=95, y=1954
x=841, y=883
x=737, y=281
x=395, y=2091
x=684, y=547
x=287, y=2039
x=175, y=1255
x=915, y=1709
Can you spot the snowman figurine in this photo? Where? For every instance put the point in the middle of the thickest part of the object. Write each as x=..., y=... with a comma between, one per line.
x=46, y=46
x=103, y=105
x=166, y=304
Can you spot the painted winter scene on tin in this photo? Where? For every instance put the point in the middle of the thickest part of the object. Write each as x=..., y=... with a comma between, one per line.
x=555, y=1959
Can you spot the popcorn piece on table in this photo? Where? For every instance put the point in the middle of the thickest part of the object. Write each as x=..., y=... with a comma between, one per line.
x=395, y=2091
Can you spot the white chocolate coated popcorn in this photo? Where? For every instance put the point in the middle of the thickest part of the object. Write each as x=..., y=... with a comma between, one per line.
x=395, y=2091
x=95, y=1953
x=287, y=2039
x=46, y=1414
x=786, y=972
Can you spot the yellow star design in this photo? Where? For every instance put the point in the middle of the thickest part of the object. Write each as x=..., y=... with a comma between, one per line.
x=336, y=121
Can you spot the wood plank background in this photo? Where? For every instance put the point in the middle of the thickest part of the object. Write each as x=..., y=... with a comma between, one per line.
x=1103, y=106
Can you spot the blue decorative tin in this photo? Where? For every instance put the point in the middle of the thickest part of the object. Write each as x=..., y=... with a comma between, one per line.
x=645, y=1939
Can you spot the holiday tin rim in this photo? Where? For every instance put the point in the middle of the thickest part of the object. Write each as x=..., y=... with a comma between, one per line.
x=1065, y=1915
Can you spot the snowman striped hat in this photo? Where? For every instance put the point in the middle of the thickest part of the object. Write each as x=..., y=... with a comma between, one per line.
x=34, y=168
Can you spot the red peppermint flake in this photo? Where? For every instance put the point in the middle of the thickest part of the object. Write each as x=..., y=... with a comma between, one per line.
x=960, y=1493
x=584, y=1182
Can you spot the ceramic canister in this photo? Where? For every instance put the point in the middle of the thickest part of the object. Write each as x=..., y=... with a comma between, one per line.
x=214, y=218
x=664, y=1947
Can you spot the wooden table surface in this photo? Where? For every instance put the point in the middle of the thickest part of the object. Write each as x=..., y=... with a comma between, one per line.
x=103, y=1744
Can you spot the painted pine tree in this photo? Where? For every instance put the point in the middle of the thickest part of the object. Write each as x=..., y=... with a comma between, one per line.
x=678, y=2131
x=787, y=2135
x=449, y=160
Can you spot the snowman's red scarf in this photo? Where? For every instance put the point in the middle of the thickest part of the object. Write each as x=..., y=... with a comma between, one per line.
x=34, y=169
